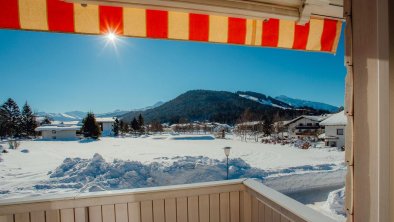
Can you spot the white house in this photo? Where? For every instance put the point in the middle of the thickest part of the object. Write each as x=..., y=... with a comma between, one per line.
x=106, y=125
x=305, y=126
x=59, y=132
x=335, y=130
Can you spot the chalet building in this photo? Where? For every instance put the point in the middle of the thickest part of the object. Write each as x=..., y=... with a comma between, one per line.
x=305, y=126
x=106, y=125
x=334, y=128
x=59, y=131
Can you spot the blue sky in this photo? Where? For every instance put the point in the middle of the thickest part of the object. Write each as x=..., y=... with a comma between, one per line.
x=62, y=72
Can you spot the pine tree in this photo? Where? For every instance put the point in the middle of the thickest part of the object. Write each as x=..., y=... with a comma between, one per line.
x=116, y=127
x=90, y=127
x=28, y=121
x=141, y=123
x=267, y=127
x=47, y=120
x=135, y=125
x=10, y=118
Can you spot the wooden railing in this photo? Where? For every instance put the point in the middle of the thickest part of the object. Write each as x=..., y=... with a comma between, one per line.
x=223, y=201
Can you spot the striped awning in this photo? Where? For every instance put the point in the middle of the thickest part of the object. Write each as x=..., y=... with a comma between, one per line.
x=319, y=34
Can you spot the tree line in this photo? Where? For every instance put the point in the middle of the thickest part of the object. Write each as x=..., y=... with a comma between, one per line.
x=15, y=122
x=136, y=126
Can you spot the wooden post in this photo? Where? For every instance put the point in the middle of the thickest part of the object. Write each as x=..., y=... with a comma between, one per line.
x=372, y=103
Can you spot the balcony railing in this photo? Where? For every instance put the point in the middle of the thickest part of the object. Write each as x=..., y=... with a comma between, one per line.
x=224, y=201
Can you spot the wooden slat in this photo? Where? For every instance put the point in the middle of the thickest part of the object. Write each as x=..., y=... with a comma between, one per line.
x=181, y=209
x=108, y=212
x=192, y=208
x=261, y=211
x=54, y=216
x=67, y=215
x=37, y=216
x=275, y=216
x=255, y=209
x=23, y=217
x=146, y=211
x=224, y=207
x=8, y=218
x=234, y=206
x=267, y=213
x=121, y=213
x=349, y=141
x=95, y=214
x=158, y=211
x=214, y=208
x=284, y=219
x=349, y=91
x=81, y=214
x=246, y=207
x=134, y=212
x=203, y=207
x=170, y=210
x=349, y=201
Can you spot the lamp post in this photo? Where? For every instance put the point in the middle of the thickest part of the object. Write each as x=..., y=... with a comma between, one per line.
x=227, y=153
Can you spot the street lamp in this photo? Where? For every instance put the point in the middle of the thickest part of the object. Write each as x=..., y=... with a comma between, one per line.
x=227, y=153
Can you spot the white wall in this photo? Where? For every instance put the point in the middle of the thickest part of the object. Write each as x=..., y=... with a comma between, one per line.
x=331, y=131
x=107, y=129
x=59, y=135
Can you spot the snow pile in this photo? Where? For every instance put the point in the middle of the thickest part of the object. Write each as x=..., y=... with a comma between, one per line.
x=336, y=202
x=96, y=174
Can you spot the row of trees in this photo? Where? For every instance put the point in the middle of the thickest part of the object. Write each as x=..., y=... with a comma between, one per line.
x=136, y=126
x=15, y=122
x=249, y=125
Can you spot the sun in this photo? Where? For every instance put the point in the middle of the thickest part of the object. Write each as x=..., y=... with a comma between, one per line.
x=111, y=37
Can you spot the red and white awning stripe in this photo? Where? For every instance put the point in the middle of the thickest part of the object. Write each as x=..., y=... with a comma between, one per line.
x=58, y=16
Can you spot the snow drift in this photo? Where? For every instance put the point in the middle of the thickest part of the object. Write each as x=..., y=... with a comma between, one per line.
x=95, y=174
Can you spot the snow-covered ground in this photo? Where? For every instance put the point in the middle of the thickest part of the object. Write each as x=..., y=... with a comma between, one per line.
x=118, y=163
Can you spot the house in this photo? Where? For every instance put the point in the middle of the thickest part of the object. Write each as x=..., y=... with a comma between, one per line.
x=334, y=128
x=305, y=126
x=106, y=125
x=59, y=132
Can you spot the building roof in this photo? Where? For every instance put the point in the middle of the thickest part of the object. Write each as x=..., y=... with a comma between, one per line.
x=105, y=120
x=313, y=118
x=57, y=128
x=338, y=119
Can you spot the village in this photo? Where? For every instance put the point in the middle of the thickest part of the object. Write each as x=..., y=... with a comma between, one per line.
x=304, y=131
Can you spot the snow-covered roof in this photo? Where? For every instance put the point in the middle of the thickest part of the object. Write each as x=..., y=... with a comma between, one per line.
x=105, y=120
x=68, y=123
x=313, y=118
x=58, y=128
x=338, y=119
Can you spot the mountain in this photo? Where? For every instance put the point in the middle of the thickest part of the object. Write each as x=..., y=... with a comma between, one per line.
x=79, y=115
x=299, y=103
x=218, y=106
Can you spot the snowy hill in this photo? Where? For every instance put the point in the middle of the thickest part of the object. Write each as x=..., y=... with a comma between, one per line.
x=218, y=106
x=263, y=99
x=299, y=103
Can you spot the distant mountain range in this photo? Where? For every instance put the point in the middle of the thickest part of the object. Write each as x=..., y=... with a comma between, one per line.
x=219, y=106
x=299, y=103
x=226, y=107
x=79, y=115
